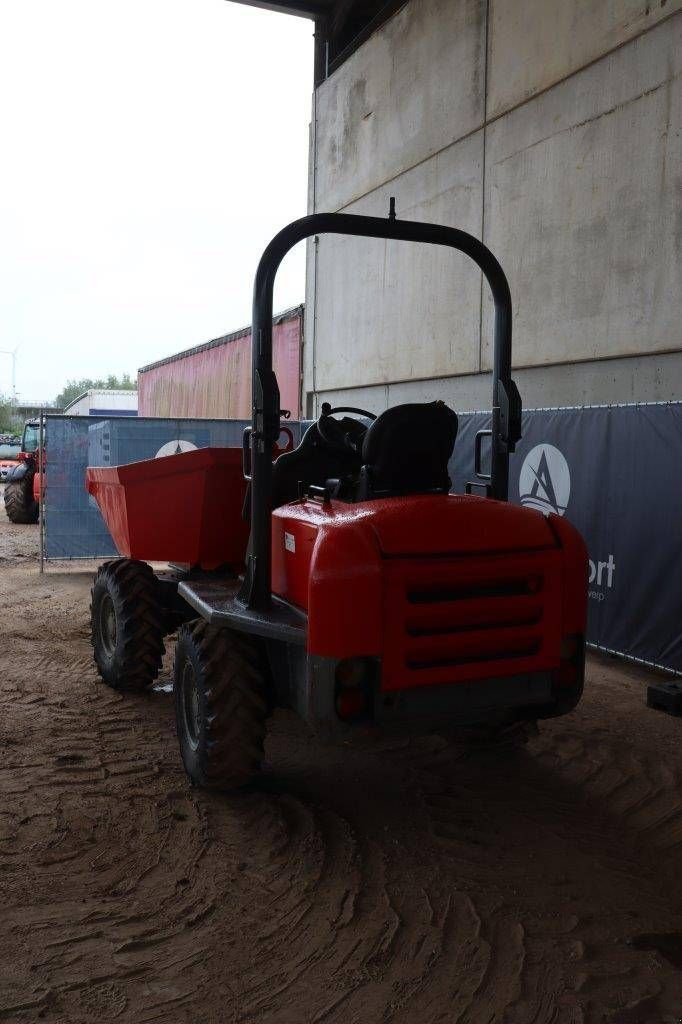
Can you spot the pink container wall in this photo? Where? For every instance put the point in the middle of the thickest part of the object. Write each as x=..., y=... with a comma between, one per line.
x=214, y=381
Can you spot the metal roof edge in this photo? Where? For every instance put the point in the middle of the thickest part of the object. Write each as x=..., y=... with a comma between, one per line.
x=99, y=391
x=75, y=400
x=288, y=314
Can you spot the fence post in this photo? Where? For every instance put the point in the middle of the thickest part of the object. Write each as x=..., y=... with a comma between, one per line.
x=41, y=496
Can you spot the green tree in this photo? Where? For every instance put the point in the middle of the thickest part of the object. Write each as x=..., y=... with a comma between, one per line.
x=6, y=424
x=73, y=388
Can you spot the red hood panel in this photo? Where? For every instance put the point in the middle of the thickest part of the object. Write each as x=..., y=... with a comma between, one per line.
x=457, y=524
x=423, y=580
x=432, y=524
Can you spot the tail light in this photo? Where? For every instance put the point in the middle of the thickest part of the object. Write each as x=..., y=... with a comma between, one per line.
x=351, y=704
x=353, y=690
x=351, y=672
x=571, y=661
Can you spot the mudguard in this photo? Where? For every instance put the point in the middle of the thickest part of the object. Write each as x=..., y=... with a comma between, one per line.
x=17, y=473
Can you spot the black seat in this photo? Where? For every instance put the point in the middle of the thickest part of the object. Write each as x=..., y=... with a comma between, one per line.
x=406, y=451
x=312, y=463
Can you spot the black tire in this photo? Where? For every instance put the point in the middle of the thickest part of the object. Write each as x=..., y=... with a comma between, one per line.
x=566, y=700
x=19, y=504
x=221, y=705
x=127, y=624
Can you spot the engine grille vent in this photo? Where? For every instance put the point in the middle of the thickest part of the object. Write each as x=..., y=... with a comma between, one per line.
x=461, y=619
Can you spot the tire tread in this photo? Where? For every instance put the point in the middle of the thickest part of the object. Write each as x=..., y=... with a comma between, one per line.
x=235, y=702
x=20, y=506
x=140, y=624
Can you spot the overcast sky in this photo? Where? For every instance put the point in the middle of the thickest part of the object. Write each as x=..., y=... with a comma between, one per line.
x=148, y=151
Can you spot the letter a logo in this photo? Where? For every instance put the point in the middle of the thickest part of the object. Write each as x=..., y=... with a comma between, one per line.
x=545, y=480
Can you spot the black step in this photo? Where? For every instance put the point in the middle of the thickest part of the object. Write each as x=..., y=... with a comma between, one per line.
x=665, y=697
x=216, y=601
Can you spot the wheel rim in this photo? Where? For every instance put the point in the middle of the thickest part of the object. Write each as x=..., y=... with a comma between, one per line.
x=190, y=705
x=107, y=624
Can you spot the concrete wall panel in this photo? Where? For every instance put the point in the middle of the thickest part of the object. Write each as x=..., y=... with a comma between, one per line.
x=308, y=354
x=392, y=310
x=580, y=165
x=583, y=187
x=414, y=87
x=374, y=399
x=535, y=43
x=634, y=379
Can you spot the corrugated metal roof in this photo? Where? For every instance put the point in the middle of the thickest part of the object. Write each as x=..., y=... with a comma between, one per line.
x=304, y=8
x=287, y=314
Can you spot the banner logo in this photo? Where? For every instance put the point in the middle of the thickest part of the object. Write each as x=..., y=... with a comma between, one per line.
x=545, y=480
x=175, y=448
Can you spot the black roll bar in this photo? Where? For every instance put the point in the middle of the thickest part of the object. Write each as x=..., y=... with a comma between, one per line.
x=265, y=422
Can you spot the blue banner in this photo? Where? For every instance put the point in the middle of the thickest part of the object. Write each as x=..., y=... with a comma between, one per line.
x=614, y=473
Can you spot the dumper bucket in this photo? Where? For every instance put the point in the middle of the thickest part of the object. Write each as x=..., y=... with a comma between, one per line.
x=184, y=508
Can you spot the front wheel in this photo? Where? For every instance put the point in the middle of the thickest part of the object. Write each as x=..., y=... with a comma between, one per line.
x=220, y=705
x=20, y=505
x=126, y=624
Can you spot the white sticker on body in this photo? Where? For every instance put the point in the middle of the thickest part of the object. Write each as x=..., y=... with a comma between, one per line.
x=290, y=542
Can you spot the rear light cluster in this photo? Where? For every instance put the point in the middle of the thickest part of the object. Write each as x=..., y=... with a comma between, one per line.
x=571, y=661
x=353, y=688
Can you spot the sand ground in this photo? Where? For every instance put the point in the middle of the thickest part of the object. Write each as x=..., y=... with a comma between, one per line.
x=420, y=882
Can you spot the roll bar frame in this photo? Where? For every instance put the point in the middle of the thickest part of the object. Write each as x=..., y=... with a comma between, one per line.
x=255, y=592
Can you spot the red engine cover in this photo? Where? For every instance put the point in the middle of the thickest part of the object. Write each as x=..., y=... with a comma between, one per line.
x=444, y=588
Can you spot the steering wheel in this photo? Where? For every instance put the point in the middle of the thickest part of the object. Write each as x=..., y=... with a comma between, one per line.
x=346, y=434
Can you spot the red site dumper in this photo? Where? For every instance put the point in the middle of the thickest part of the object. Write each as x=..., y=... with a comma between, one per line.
x=362, y=591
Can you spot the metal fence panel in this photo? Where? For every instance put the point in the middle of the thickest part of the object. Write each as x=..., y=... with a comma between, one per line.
x=74, y=527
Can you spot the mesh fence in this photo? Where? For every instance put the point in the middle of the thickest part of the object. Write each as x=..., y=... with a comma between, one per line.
x=73, y=525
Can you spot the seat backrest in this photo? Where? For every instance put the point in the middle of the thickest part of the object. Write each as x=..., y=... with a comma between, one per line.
x=407, y=449
x=312, y=462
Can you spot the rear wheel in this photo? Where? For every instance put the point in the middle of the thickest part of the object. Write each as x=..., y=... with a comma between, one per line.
x=127, y=624
x=220, y=705
x=19, y=503
x=565, y=700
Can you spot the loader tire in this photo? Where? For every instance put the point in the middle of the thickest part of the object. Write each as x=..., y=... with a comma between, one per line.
x=127, y=624
x=19, y=503
x=221, y=705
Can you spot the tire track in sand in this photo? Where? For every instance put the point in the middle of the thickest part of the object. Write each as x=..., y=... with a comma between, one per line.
x=379, y=881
